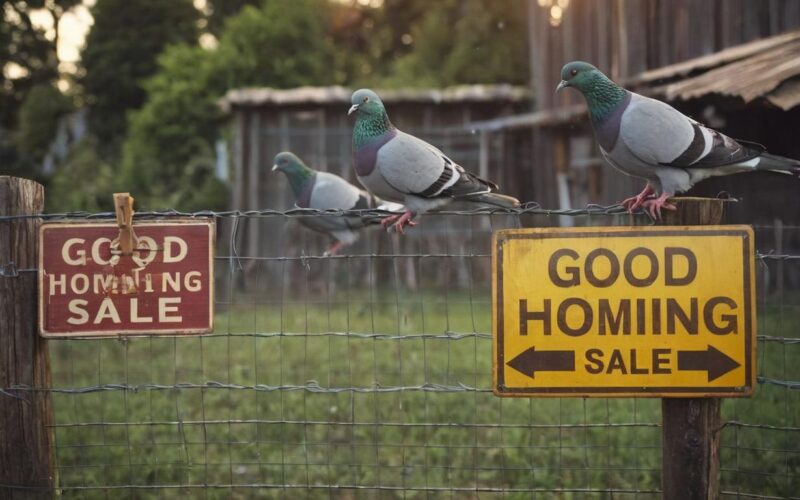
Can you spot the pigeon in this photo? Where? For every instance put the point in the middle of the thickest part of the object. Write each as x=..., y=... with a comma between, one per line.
x=650, y=139
x=326, y=191
x=402, y=168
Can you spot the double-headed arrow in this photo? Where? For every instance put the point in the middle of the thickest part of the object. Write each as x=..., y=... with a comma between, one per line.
x=713, y=361
x=530, y=361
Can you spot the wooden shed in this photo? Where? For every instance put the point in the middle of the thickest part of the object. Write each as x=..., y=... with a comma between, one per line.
x=312, y=122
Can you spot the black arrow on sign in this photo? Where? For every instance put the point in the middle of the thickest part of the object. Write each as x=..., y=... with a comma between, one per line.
x=712, y=360
x=530, y=361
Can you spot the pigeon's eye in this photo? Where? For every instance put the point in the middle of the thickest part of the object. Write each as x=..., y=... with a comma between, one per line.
x=365, y=99
x=573, y=72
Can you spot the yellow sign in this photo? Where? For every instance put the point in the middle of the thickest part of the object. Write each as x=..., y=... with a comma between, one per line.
x=610, y=311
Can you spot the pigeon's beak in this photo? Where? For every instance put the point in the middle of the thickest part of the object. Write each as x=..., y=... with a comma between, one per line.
x=353, y=109
x=275, y=167
x=561, y=85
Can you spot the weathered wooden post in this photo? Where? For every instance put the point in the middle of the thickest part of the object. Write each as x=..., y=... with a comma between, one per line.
x=691, y=426
x=26, y=443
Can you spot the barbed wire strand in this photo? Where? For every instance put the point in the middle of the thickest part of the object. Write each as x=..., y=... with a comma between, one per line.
x=210, y=433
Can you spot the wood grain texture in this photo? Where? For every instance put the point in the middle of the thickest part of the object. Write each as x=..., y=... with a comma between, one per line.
x=26, y=443
x=691, y=426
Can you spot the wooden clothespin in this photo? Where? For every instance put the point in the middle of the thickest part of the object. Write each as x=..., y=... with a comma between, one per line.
x=127, y=240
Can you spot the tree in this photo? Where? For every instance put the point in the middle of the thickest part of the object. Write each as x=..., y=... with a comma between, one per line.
x=217, y=11
x=279, y=44
x=43, y=107
x=29, y=70
x=470, y=41
x=177, y=124
x=121, y=51
x=69, y=189
x=29, y=49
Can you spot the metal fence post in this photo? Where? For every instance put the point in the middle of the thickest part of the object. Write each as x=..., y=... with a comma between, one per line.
x=26, y=442
x=691, y=426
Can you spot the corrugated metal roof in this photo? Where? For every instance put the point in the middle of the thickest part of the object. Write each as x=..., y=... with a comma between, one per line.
x=249, y=97
x=766, y=69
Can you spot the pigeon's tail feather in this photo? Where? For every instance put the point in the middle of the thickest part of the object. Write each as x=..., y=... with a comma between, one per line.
x=495, y=199
x=779, y=164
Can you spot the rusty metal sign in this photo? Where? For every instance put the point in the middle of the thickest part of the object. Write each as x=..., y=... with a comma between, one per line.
x=89, y=287
x=610, y=311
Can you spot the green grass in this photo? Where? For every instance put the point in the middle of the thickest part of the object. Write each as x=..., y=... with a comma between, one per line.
x=279, y=435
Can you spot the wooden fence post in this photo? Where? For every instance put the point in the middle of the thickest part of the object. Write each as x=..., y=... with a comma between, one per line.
x=691, y=426
x=26, y=443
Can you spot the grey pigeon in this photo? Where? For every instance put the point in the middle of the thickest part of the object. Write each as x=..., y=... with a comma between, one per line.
x=326, y=191
x=646, y=138
x=400, y=167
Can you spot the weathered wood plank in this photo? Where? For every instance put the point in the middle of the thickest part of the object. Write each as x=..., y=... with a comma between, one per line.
x=691, y=426
x=26, y=441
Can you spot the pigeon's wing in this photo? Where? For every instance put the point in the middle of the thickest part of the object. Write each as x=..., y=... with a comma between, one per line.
x=412, y=166
x=711, y=149
x=333, y=192
x=658, y=134
x=655, y=132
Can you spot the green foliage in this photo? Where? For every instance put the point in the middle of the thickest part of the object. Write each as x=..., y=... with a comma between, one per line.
x=31, y=51
x=27, y=47
x=121, y=50
x=472, y=41
x=277, y=45
x=38, y=120
x=220, y=10
x=177, y=124
x=84, y=182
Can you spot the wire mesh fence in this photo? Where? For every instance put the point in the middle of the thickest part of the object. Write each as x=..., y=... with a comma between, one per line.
x=368, y=375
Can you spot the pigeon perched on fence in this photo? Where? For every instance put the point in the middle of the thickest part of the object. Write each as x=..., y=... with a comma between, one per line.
x=326, y=191
x=650, y=139
x=402, y=168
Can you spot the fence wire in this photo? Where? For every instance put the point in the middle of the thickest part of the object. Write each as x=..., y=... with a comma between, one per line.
x=368, y=375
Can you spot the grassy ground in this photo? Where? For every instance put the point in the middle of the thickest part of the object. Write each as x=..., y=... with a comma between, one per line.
x=423, y=442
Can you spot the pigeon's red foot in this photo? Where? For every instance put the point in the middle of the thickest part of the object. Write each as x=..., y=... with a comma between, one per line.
x=389, y=220
x=655, y=205
x=637, y=201
x=333, y=249
x=404, y=220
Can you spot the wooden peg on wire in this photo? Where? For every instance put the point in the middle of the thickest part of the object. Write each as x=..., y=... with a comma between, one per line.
x=127, y=241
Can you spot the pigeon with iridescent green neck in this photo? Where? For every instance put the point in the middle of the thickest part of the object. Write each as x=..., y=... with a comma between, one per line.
x=652, y=140
x=402, y=168
x=326, y=191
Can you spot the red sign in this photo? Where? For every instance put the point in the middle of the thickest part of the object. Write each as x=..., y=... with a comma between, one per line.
x=88, y=289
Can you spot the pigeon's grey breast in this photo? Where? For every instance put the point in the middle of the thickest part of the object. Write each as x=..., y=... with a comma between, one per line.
x=410, y=164
x=332, y=192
